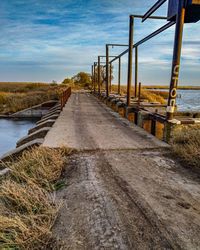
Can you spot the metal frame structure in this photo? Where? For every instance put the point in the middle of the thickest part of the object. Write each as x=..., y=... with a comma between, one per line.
x=108, y=74
x=179, y=22
x=135, y=46
x=99, y=64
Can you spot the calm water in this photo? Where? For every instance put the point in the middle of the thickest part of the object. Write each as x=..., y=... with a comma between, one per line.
x=189, y=101
x=11, y=131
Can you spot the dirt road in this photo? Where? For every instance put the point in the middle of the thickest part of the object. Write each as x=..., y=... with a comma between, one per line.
x=123, y=191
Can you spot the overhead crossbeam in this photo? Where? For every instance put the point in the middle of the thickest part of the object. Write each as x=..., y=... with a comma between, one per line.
x=109, y=56
x=117, y=45
x=155, y=33
x=153, y=9
x=151, y=17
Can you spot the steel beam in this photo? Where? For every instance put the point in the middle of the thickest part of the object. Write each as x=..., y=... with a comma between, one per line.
x=153, y=9
x=151, y=17
x=139, y=93
x=176, y=60
x=117, y=45
x=110, y=82
x=99, y=75
x=155, y=33
x=136, y=70
x=95, y=77
x=130, y=59
x=92, y=75
x=119, y=76
x=107, y=70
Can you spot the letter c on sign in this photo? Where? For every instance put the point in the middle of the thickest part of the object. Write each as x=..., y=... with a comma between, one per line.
x=176, y=69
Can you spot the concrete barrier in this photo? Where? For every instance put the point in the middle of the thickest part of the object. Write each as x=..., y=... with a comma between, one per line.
x=48, y=123
x=55, y=112
x=52, y=117
x=18, y=151
x=39, y=134
x=36, y=111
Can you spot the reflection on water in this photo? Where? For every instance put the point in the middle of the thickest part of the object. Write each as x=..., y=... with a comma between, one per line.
x=11, y=131
x=189, y=101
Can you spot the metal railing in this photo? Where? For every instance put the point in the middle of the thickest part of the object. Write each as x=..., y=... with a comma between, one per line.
x=64, y=97
x=179, y=25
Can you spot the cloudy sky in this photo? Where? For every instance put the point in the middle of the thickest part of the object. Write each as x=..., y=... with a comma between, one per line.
x=45, y=40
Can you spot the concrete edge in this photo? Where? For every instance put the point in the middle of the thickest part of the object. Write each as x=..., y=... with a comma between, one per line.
x=39, y=134
x=18, y=151
x=48, y=123
x=51, y=113
x=28, y=112
x=52, y=117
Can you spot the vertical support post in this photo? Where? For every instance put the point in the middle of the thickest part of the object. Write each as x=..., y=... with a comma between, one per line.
x=99, y=74
x=176, y=60
x=110, y=77
x=61, y=101
x=92, y=75
x=139, y=94
x=119, y=77
x=107, y=70
x=136, y=70
x=130, y=60
x=153, y=127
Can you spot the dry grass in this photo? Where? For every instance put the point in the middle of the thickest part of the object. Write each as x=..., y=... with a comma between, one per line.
x=27, y=208
x=16, y=87
x=18, y=96
x=43, y=166
x=151, y=96
x=186, y=145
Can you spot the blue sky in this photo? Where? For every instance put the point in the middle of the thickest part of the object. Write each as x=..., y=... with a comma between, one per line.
x=45, y=40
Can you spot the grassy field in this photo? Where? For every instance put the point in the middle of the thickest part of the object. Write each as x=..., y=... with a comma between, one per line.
x=27, y=206
x=18, y=96
x=151, y=96
x=186, y=145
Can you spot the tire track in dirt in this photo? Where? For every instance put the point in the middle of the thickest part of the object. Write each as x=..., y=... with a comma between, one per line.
x=98, y=213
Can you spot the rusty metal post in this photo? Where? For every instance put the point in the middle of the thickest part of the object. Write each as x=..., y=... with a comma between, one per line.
x=136, y=70
x=139, y=93
x=92, y=68
x=153, y=127
x=130, y=59
x=95, y=77
x=176, y=60
x=110, y=80
x=107, y=70
x=119, y=77
x=99, y=75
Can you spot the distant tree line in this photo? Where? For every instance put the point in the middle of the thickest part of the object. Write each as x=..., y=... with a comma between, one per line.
x=84, y=79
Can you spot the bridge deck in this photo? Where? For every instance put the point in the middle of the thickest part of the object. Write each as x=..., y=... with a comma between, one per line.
x=86, y=124
x=123, y=189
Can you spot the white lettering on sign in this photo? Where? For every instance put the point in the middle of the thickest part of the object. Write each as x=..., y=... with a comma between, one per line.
x=173, y=92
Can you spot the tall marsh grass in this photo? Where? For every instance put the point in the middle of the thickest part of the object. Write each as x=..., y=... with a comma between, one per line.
x=150, y=96
x=27, y=207
x=186, y=145
x=18, y=96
